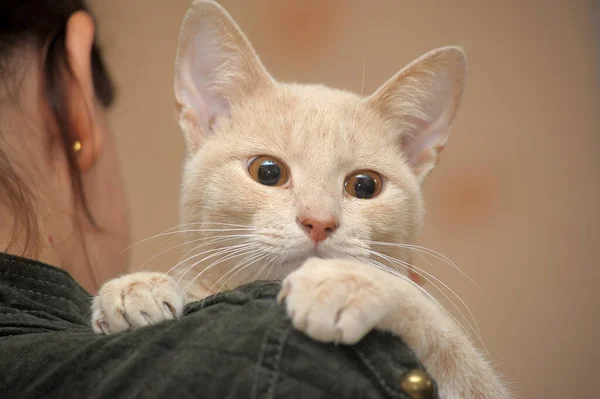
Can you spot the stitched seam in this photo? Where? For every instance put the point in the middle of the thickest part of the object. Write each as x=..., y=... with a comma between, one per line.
x=39, y=328
x=259, y=362
x=28, y=263
x=41, y=281
x=44, y=294
x=33, y=279
x=5, y=265
x=390, y=391
x=301, y=380
x=18, y=313
x=275, y=375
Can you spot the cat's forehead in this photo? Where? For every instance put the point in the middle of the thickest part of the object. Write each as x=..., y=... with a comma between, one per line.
x=309, y=121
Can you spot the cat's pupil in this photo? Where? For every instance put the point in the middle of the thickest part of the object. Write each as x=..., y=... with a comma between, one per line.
x=364, y=186
x=269, y=173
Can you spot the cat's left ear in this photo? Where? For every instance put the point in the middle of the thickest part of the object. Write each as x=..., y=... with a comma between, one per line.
x=215, y=67
x=420, y=103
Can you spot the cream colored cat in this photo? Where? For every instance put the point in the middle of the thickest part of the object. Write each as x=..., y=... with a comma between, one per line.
x=309, y=184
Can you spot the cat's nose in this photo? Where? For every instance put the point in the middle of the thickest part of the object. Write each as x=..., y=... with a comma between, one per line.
x=318, y=230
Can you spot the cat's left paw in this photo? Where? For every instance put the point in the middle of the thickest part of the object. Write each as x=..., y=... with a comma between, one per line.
x=333, y=300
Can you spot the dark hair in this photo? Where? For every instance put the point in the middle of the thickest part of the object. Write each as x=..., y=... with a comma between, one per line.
x=43, y=24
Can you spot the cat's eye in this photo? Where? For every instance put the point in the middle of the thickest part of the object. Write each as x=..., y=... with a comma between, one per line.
x=268, y=171
x=363, y=184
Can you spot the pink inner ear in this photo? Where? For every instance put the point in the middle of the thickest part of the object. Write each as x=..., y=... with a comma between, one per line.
x=424, y=141
x=215, y=67
x=201, y=102
x=425, y=161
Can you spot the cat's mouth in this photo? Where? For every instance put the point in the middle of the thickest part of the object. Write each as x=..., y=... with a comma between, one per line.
x=314, y=251
x=318, y=252
x=322, y=250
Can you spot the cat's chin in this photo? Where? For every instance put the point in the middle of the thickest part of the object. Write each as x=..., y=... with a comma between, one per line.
x=314, y=251
x=319, y=252
x=291, y=263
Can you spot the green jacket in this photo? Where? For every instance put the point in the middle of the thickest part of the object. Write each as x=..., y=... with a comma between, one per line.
x=237, y=344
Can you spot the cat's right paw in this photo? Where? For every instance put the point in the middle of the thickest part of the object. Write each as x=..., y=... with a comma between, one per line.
x=136, y=300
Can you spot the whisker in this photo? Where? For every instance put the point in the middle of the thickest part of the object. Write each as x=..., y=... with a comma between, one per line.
x=256, y=257
x=170, y=232
x=234, y=254
x=217, y=239
x=208, y=223
x=264, y=268
x=362, y=86
x=214, y=249
x=248, y=254
x=237, y=266
x=432, y=253
x=421, y=272
x=388, y=269
x=211, y=238
x=213, y=253
x=258, y=273
x=381, y=266
x=225, y=255
x=141, y=267
x=271, y=267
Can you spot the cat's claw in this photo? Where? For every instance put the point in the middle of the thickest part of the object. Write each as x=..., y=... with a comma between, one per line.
x=136, y=300
x=333, y=300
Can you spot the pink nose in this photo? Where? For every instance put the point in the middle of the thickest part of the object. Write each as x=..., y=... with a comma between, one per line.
x=318, y=230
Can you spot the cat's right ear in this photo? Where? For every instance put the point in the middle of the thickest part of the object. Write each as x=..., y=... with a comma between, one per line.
x=215, y=67
x=420, y=103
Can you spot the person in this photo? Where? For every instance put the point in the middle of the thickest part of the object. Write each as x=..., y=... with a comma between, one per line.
x=62, y=197
x=62, y=204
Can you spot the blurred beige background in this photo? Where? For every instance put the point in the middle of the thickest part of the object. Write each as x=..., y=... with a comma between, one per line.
x=514, y=201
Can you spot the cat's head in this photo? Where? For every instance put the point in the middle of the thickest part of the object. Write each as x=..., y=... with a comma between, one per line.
x=279, y=172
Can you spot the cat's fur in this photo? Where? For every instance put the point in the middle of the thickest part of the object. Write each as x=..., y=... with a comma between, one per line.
x=231, y=110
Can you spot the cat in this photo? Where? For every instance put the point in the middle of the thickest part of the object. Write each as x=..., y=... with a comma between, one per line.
x=315, y=186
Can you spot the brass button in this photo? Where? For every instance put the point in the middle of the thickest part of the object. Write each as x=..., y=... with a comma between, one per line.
x=417, y=384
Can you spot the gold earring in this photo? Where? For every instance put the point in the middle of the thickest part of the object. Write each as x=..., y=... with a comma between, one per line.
x=77, y=146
